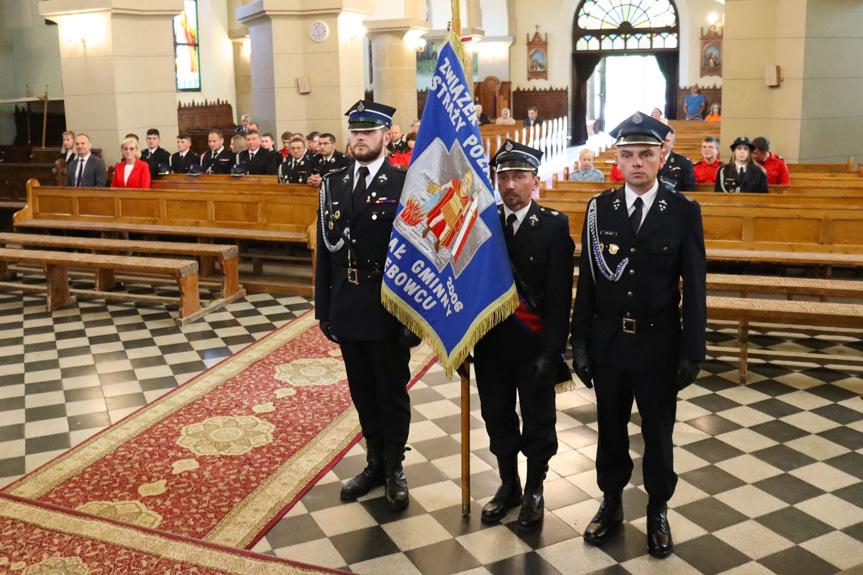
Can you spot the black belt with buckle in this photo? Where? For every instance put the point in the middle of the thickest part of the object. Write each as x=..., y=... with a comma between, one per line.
x=356, y=276
x=633, y=325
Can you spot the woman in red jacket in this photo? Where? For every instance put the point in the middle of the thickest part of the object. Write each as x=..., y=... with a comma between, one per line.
x=132, y=172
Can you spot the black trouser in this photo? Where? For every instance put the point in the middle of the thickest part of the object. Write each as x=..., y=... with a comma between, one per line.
x=499, y=376
x=655, y=394
x=378, y=374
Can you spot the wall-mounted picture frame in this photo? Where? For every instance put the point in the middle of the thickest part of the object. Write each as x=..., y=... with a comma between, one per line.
x=711, y=53
x=537, y=56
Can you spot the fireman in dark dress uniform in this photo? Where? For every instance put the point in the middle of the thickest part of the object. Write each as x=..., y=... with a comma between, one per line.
x=627, y=334
x=523, y=356
x=357, y=208
x=219, y=159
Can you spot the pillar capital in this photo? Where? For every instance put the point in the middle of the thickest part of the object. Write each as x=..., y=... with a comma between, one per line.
x=54, y=9
x=259, y=9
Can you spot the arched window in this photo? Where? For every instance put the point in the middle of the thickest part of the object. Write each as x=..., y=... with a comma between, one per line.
x=186, y=57
x=626, y=25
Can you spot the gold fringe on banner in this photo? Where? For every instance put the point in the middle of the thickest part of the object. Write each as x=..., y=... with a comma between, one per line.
x=495, y=313
x=463, y=57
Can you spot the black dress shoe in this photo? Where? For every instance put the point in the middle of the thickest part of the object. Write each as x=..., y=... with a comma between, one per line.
x=532, y=510
x=508, y=496
x=362, y=484
x=605, y=522
x=397, y=491
x=659, y=543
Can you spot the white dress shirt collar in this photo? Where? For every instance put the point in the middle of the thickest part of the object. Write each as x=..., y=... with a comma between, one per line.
x=373, y=167
x=519, y=216
x=647, y=197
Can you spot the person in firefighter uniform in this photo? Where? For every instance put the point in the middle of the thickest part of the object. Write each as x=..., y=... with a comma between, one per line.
x=629, y=334
x=357, y=208
x=523, y=356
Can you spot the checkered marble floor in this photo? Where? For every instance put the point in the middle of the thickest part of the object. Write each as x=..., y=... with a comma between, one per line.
x=771, y=474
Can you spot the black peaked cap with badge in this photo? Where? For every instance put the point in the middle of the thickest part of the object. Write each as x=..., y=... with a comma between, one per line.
x=640, y=129
x=515, y=156
x=366, y=115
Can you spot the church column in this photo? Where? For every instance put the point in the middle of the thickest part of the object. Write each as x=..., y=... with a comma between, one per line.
x=306, y=63
x=814, y=113
x=117, y=59
x=394, y=64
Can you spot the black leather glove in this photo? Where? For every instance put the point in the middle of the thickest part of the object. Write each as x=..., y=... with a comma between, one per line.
x=581, y=365
x=408, y=339
x=687, y=371
x=328, y=332
x=542, y=371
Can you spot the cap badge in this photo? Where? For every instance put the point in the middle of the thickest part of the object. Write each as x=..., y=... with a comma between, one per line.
x=360, y=107
x=637, y=119
x=508, y=147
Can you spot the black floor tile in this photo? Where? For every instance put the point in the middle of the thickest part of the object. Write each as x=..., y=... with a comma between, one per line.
x=452, y=423
x=437, y=447
x=117, y=377
x=126, y=401
x=377, y=508
x=788, y=488
x=553, y=531
x=43, y=387
x=775, y=408
x=443, y=558
x=852, y=494
x=855, y=531
x=83, y=393
x=778, y=431
x=839, y=414
x=364, y=544
x=143, y=362
x=851, y=463
x=795, y=561
x=166, y=382
x=714, y=403
x=712, y=480
x=844, y=436
x=709, y=554
x=585, y=414
x=12, y=466
x=712, y=450
x=711, y=514
x=89, y=421
x=12, y=432
x=109, y=357
x=455, y=523
x=713, y=424
x=78, y=371
x=238, y=340
x=794, y=525
x=293, y=531
x=626, y=543
x=42, y=413
x=526, y=564
x=188, y=367
x=47, y=443
x=783, y=457
x=43, y=365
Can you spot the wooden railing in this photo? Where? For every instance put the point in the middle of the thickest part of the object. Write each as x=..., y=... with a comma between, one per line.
x=551, y=137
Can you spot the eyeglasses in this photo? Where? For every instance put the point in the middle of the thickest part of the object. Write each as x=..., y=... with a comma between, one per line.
x=129, y=148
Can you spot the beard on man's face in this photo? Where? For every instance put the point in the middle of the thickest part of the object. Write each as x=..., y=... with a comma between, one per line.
x=367, y=150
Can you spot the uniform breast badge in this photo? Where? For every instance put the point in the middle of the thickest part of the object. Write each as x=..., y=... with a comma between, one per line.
x=613, y=249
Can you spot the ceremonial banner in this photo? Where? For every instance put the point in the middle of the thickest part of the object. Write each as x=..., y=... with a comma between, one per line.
x=447, y=274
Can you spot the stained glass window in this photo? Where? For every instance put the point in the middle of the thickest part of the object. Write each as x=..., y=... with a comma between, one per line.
x=622, y=25
x=186, y=57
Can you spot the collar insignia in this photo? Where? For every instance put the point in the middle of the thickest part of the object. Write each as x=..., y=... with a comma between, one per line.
x=616, y=203
x=662, y=205
x=347, y=178
x=382, y=178
x=534, y=221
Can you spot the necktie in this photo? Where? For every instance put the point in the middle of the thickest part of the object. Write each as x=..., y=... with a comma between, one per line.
x=635, y=216
x=80, y=173
x=742, y=172
x=509, y=229
x=214, y=156
x=360, y=189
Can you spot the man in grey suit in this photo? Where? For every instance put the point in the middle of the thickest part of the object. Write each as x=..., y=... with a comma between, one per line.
x=85, y=171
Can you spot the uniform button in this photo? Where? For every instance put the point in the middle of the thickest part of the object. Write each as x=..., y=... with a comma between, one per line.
x=628, y=314
x=665, y=248
x=632, y=272
x=632, y=250
x=629, y=294
x=531, y=258
x=353, y=241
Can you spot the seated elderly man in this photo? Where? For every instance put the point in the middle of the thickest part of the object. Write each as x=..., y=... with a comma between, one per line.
x=505, y=119
x=586, y=172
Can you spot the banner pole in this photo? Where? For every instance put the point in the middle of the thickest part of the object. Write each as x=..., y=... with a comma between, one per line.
x=464, y=372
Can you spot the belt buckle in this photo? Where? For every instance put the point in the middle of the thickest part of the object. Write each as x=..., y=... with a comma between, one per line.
x=628, y=325
x=353, y=277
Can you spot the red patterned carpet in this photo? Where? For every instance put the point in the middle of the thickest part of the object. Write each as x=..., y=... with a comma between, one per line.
x=43, y=539
x=223, y=456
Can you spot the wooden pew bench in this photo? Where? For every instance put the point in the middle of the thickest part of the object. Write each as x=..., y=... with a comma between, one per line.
x=226, y=255
x=268, y=216
x=55, y=265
